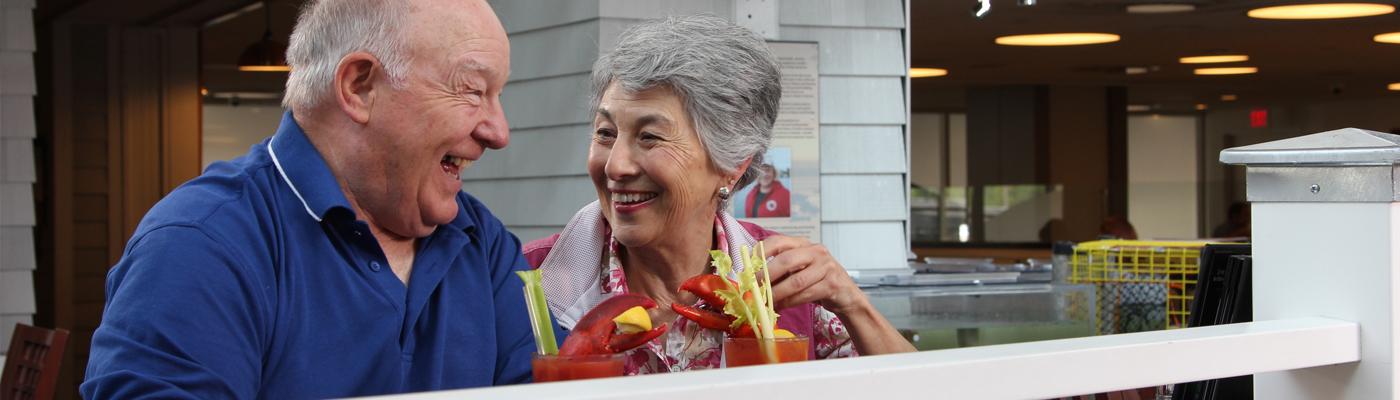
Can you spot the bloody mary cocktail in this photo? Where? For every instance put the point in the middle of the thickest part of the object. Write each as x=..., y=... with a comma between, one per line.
x=553, y=367
x=739, y=352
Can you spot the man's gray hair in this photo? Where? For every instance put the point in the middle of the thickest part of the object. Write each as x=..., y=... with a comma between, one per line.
x=327, y=30
x=726, y=75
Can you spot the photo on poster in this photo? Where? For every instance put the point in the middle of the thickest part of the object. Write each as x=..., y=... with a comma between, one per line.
x=769, y=196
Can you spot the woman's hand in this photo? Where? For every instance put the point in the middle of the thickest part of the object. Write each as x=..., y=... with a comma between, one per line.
x=803, y=272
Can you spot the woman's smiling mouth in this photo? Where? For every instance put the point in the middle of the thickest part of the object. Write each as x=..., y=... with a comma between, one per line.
x=625, y=203
x=632, y=198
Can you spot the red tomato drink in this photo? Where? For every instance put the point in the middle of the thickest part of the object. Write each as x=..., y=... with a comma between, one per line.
x=739, y=352
x=550, y=368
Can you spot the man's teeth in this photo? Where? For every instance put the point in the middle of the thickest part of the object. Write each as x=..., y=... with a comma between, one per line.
x=458, y=161
x=631, y=197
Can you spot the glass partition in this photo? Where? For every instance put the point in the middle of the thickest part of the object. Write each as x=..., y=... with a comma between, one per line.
x=983, y=214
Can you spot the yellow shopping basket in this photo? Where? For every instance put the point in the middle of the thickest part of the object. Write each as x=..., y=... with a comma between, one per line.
x=1141, y=285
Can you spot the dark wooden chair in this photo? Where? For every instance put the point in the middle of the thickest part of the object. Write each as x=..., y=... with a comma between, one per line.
x=31, y=366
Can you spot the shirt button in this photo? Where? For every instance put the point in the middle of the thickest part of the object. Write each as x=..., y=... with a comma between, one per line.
x=374, y=266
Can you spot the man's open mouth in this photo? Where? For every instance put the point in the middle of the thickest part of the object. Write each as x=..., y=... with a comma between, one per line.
x=453, y=166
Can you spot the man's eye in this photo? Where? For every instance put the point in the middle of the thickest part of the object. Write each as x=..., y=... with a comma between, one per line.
x=604, y=133
x=650, y=137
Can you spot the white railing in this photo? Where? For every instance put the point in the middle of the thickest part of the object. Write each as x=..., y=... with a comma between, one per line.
x=1331, y=255
x=1036, y=370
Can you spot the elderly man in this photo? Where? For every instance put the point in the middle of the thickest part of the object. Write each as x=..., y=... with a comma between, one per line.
x=339, y=257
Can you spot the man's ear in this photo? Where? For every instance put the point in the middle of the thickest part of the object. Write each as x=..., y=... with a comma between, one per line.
x=357, y=79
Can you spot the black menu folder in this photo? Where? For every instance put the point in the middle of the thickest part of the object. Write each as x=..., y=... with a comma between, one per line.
x=1224, y=293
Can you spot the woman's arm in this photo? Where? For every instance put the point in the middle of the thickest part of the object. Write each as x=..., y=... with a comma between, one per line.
x=804, y=273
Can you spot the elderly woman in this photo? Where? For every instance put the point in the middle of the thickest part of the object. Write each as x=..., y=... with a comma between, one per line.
x=683, y=114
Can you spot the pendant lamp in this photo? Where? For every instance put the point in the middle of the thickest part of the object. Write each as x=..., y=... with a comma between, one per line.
x=266, y=54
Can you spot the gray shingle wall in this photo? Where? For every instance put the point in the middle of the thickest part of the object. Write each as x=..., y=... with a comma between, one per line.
x=537, y=183
x=864, y=124
x=17, y=89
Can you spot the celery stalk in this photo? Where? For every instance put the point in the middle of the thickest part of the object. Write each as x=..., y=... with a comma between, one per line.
x=763, y=295
x=539, y=312
x=758, y=313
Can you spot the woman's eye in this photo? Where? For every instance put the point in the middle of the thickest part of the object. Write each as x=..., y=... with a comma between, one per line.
x=650, y=137
x=604, y=134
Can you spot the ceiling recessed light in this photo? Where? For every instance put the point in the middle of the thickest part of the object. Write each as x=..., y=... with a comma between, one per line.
x=1394, y=86
x=1393, y=37
x=926, y=72
x=1201, y=106
x=1139, y=107
x=1228, y=97
x=1057, y=39
x=1213, y=59
x=1322, y=11
x=1226, y=71
x=1159, y=8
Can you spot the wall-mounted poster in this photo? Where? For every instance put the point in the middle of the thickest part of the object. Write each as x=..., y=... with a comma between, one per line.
x=769, y=197
x=786, y=198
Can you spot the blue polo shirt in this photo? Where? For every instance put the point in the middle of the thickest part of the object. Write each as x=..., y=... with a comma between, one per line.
x=256, y=280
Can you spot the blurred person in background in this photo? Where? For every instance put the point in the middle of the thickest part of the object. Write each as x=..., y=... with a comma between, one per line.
x=1238, y=225
x=1117, y=228
x=769, y=199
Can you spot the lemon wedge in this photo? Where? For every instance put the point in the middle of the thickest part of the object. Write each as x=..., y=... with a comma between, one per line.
x=633, y=320
x=782, y=333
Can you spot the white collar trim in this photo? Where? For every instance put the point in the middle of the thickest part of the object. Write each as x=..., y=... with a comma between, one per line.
x=278, y=164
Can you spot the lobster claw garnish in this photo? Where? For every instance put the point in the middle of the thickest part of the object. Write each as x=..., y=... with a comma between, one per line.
x=596, y=333
x=711, y=315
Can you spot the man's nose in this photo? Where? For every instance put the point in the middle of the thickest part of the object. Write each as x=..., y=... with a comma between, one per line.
x=493, y=131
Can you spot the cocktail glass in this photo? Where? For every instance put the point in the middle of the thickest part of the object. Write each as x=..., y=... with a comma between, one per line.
x=554, y=367
x=739, y=352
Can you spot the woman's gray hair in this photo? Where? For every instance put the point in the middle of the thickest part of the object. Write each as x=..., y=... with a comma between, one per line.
x=327, y=30
x=726, y=75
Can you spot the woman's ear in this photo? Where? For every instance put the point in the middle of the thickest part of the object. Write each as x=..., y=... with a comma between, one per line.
x=356, y=81
x=739, y=172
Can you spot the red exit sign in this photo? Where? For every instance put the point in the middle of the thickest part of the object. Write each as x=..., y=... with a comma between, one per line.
x=1258, y=118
